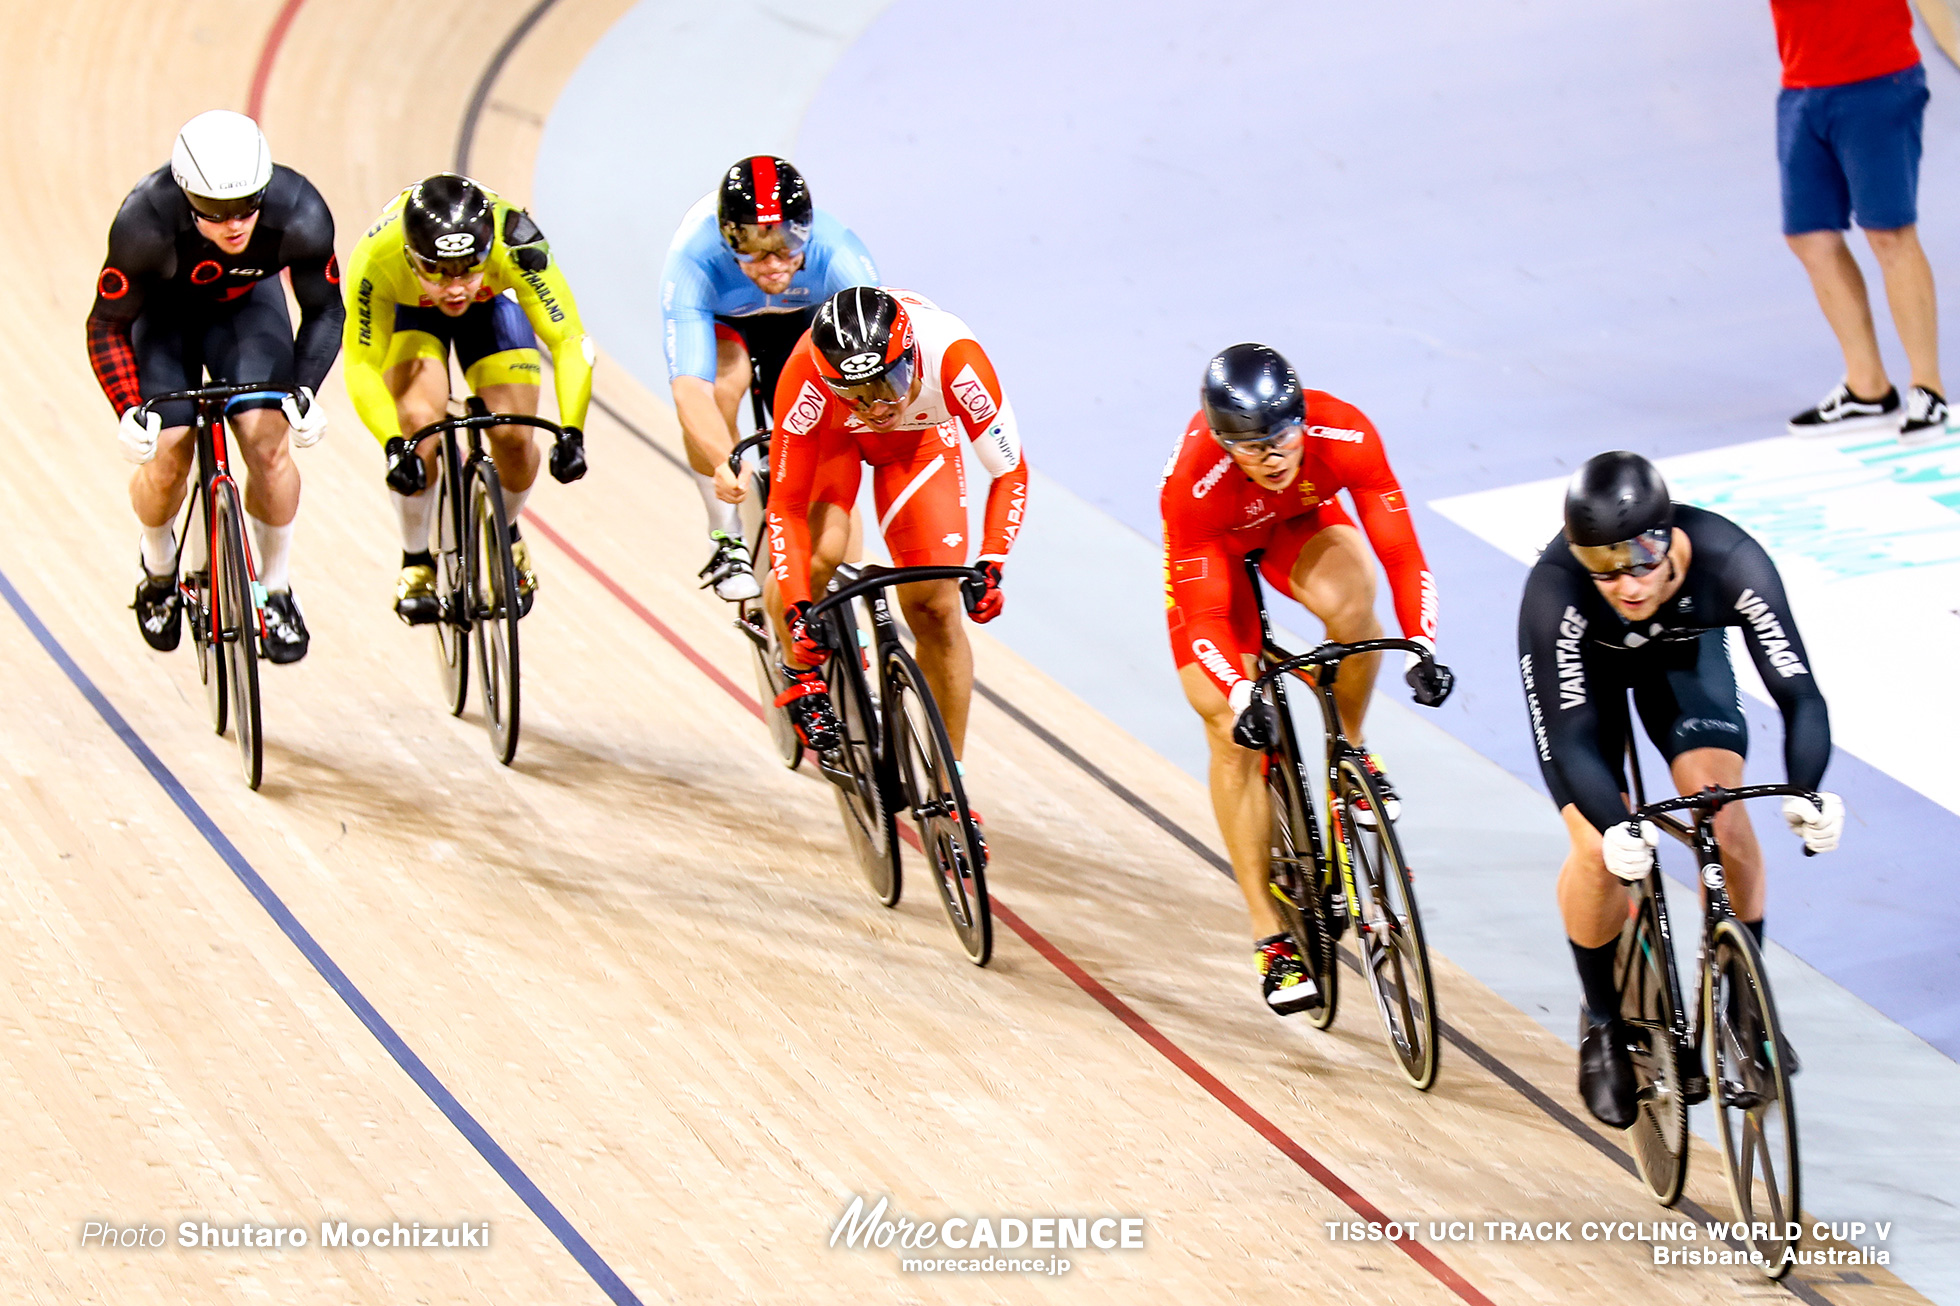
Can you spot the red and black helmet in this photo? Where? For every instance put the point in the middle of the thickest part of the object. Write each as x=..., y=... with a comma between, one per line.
x=864, y=346
x=764, y=208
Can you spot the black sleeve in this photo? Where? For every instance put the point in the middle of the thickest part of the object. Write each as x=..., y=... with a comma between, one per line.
x=140, y=251
x=1753, y=590
x=1560, y=688
x=307, y=249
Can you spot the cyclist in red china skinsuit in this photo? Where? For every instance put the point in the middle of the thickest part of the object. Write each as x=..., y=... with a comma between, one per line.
x=885, y=377
x=1259, y=467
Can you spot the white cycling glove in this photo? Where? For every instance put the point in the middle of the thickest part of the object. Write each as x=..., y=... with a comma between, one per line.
x=1629, y=848
x=306, y=417
x=138, y=434
x=1818, y=824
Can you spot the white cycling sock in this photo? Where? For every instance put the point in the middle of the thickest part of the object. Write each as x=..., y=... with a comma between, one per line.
x=274, y=545
x=723, y=517
x=159, y=550
x=514, y=503
x=414, y=514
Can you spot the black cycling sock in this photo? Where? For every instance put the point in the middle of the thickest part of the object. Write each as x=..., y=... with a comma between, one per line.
x=1755, y=928
x=422, y=559
x=514, y=536
x=1596, y=976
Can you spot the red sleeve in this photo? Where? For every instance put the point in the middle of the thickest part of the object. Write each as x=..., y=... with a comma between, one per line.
x=1383, y=511
x=1201, y=574
x=113, y=356
x=973, y=393
x=803, y=405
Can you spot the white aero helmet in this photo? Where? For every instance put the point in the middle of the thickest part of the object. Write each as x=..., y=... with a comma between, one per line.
x=222, y=164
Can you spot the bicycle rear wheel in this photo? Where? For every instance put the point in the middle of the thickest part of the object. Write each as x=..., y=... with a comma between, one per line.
x=238, y=628
x=929, y=782
x=493, y=609
x=452, y=642
x=863, y=793
x=1294, y=879
x=1388, y=928
x=1750, y=1085
x=1659, y=1134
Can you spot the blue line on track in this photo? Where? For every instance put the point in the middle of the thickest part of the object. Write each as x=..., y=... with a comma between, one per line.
x=466, y=1124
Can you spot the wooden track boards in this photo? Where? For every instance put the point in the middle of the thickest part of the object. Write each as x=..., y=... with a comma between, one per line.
x=640, y=958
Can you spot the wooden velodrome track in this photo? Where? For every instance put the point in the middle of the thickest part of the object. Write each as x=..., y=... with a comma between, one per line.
x=627, y=1001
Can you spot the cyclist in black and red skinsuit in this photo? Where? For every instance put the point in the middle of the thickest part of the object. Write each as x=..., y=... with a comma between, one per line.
x=191, y=284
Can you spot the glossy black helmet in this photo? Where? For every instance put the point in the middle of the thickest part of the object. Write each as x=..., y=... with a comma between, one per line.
x=448, y=225
x=764, y=208
x=1618, y=517
x=863, y=340
x=1251, y=394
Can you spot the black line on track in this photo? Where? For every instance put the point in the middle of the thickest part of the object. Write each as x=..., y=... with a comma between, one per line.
x=1455, y=1037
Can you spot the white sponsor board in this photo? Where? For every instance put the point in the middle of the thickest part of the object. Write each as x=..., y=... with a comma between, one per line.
x=1867, y=536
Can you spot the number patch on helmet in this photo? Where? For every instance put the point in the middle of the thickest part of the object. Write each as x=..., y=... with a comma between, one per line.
x=455, y=244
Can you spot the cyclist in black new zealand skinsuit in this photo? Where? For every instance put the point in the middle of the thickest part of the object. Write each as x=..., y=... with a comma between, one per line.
x=1647, y=610
x=172, y=302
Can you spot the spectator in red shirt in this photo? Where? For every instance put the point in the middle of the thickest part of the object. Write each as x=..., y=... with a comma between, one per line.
x=1848, y=142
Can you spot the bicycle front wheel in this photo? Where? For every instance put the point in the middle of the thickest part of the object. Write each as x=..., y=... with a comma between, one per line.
x=237, y=628
x=929, y=782
x=1644, y=970
x=754, y=624
x=203, y=621
x=1294, y=879
x=452, y=643
x=863, y=797
x=493, y=609
x=1388, y=928
x=1750, y=1084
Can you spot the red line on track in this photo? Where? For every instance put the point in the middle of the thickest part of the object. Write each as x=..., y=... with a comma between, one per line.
x=268, y=54
x=1034, y=938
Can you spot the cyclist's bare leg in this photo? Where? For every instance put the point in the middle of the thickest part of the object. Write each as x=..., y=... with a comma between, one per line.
x=1334, y=578
x=272, y=480
x=830, y=536
x=157, y=488
x=513, y=448
x=1742, y=856
x=1238, y=798
x=1591, y=898
x=937, y=616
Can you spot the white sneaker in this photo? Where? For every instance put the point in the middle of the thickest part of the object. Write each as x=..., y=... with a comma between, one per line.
x=730, y=570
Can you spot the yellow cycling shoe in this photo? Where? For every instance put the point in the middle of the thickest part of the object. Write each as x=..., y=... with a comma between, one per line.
x=415, y=595
x=527, y=577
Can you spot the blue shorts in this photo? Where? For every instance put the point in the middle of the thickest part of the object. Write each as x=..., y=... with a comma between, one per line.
x=1851, y=151
x=493, y=326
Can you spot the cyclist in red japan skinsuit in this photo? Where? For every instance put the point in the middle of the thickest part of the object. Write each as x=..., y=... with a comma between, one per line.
x=1259, y=467
x=885, y=377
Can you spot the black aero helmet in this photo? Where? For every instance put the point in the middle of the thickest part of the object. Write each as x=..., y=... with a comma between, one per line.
x=1618, y=516
x=448, y=225
x=1251, y=394
x=863, y=341
x=764, y=208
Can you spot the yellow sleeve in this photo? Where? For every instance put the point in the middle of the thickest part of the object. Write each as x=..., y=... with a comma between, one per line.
x=547, y=301
x=371, y=300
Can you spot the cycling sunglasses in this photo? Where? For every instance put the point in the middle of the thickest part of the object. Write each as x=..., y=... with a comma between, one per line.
x=215, y=210
x=446, y=269
x=1261, y=444
x=889, y=387
x=750, y=241
x=1636, y=557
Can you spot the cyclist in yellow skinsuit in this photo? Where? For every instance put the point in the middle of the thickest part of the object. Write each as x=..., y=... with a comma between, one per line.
x=450, y=263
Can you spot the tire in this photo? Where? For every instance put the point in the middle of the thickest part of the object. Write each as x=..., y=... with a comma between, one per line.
x=451, y=640
x=203, y=624
x=929, y=783
x=238, y=628
x=1294, y=878
x=493, y=609
x=1642, y=970
x=1388, y=927
x=864, y=790
x=1750, y=1088
x=754, y=624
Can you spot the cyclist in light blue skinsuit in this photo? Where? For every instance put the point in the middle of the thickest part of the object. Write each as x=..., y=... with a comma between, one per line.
x=744, y=277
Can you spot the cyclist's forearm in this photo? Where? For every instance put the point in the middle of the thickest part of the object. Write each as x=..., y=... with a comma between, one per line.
x=1806, y=740
x=113, y=356
x=571, y=373
x=702, y=423
x=372, y=401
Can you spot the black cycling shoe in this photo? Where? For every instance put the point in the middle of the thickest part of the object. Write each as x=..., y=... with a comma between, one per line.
x=285, y=629
x=1606, y=1072
x=1288, y=986
x=159, y=611
x=807, y=700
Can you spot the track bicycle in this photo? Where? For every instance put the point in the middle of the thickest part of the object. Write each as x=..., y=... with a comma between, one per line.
x=1367, y=881
x=223, y=598
x=895, y=755
x=1747, y=1072
x=752, y=619
x=476, y=581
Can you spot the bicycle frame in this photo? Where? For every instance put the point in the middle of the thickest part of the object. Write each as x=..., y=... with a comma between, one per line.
x=454, y=462
x=1685, y=1034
